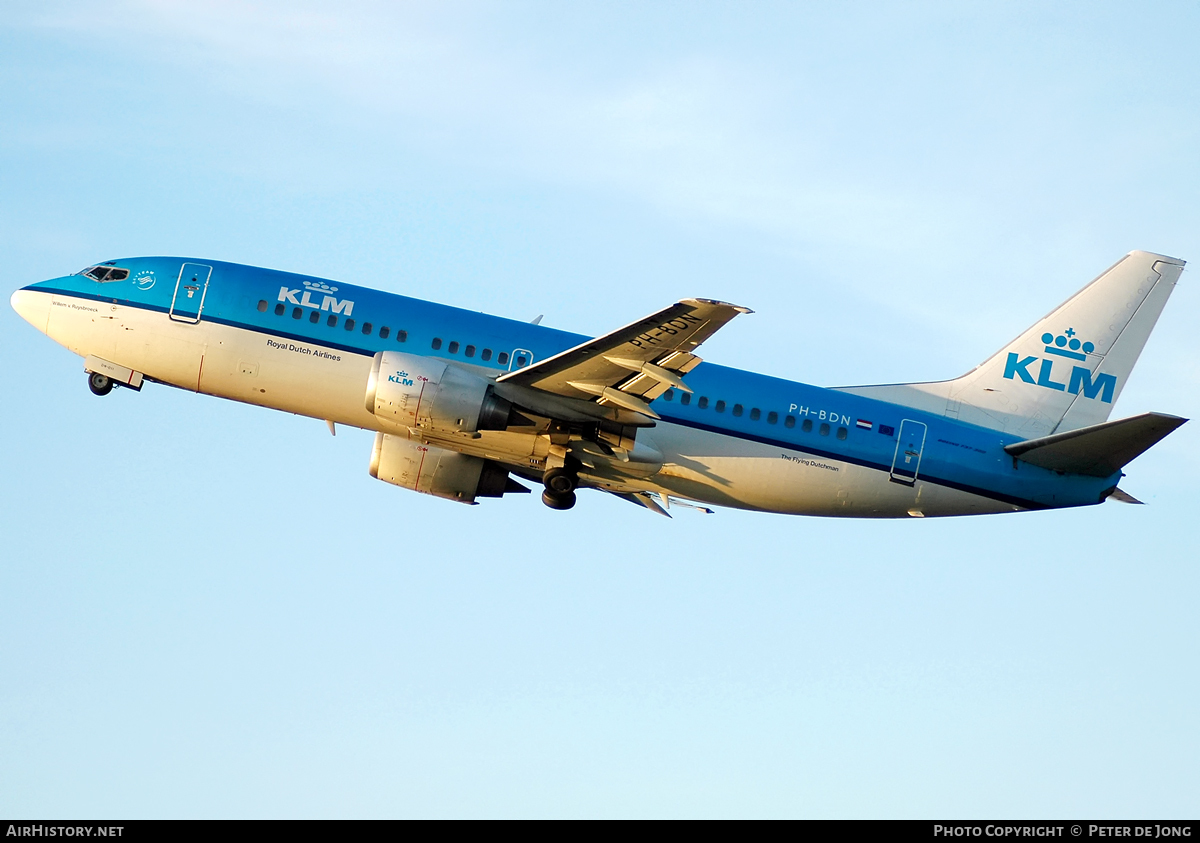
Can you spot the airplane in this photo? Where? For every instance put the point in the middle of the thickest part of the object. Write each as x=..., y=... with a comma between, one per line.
x=464, y=405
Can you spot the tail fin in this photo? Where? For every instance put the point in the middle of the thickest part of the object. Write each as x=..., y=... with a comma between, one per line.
x=1066, y=371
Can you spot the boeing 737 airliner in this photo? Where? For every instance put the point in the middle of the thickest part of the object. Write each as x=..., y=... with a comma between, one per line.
x=461, y=402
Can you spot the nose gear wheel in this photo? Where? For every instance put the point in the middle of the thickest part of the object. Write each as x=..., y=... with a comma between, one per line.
x=100, y=384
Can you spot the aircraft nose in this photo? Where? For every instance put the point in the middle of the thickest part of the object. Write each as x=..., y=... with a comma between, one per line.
x=33, y=306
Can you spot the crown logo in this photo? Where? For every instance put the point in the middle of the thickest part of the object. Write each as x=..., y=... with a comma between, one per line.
x=1067, y=344
x=319, y=286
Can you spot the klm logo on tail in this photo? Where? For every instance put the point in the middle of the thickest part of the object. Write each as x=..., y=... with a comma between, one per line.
x=1068, y=346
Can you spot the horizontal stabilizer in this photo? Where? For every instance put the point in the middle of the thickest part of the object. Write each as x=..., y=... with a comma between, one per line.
x=1121, y=496
x=1098, y=450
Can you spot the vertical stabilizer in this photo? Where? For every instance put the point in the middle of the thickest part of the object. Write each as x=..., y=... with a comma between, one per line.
x=1067, y=370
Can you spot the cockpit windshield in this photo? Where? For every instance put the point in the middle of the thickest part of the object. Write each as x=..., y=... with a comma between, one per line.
x=106, y=272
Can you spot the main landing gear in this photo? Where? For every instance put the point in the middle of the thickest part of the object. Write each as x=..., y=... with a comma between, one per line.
x=100, y=384
x=560, y=488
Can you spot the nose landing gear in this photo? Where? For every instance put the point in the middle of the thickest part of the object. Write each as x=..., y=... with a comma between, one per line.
x=103, y=375
x=100, y=384
x=560, y=488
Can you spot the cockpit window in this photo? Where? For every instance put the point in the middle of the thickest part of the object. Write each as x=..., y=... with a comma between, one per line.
x=106, y=273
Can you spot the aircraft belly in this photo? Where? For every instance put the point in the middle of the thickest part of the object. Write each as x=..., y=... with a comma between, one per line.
x=298, y=377
x=729, y=471
x=320, y=382
x=166, y=351
x=145, y=341
x=216, y=359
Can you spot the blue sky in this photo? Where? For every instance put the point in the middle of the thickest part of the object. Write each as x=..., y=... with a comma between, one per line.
x=213, y=610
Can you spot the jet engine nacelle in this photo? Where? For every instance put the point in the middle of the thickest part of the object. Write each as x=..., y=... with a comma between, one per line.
x=406, y=391
x=437, y=471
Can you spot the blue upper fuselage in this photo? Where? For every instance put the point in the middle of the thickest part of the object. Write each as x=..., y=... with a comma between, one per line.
x=795, y=416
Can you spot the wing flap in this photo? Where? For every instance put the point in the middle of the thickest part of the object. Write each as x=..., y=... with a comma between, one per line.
x=1099, y=450
x=641, y=499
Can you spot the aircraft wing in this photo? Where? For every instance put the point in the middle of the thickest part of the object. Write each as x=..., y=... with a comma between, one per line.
x=631, y=366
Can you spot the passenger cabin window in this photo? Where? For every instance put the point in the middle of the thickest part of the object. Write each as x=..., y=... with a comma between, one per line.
x=437, y=343
x=279, y=309
x=502, y=358
x=453, y=349
x=755, y=414
x=402, y=336
x=469, y=351
x=720, y=407
x=384, y=332
x=297, y=312
x=702, y=403
x=669, y=395
x=685, y=398
x=331, y=321
x=348, y=324
x=841, y=434
x=521, y=361
x=486, y=355
x=262, y=306
x=314, y=317
x=807, y=426
x=737, y=409
x=772, y=417
x=789, y=422
x=366, y=328
x=824, y=429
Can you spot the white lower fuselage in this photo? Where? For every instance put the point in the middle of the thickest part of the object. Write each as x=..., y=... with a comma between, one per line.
x=325, y=383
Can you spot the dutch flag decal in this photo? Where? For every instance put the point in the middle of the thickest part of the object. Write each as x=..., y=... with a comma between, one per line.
x=863, y=423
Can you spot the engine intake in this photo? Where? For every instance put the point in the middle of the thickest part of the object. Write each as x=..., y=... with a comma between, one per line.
x=407, y=391
x=437, y=471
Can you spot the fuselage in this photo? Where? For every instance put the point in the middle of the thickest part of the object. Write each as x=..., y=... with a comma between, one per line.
x=305, y=345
